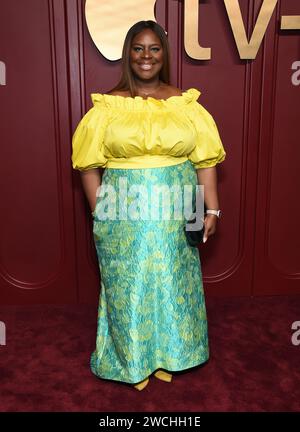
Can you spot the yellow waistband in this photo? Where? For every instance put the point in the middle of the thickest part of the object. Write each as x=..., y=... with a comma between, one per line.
x=145, y=161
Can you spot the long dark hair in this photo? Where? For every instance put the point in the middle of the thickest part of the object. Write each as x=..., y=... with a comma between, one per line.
x=127, y=79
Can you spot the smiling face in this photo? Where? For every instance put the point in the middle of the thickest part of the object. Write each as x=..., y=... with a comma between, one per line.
x=146, y=55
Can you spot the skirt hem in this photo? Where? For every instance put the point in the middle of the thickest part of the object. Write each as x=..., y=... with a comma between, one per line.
x=165, y=367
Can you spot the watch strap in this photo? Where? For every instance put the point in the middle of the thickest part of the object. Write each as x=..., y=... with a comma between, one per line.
x=214, y=212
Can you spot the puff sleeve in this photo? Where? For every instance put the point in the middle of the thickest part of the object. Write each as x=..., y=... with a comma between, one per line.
x=88, y=140
x=208, y=150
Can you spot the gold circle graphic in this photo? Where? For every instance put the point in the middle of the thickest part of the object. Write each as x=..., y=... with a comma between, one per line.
x=108, y=21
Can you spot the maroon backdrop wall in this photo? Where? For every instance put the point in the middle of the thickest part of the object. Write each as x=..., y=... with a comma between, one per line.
x=52, y=66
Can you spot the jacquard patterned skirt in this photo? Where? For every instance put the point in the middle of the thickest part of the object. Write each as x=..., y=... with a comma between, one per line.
x=151, y=311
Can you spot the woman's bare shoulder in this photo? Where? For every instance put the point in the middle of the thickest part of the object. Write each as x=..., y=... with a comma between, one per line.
x=173, y=91
x=166, y=91
x=123, y=93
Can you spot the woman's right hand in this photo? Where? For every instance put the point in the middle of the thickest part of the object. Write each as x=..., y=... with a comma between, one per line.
x=91, y=180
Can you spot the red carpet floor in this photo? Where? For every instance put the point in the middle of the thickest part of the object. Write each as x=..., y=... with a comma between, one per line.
x=253, y=366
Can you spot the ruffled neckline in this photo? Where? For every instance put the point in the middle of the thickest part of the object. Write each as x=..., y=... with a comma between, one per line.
x=139, y=103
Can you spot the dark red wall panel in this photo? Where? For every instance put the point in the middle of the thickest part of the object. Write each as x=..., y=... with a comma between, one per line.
x=37, y=256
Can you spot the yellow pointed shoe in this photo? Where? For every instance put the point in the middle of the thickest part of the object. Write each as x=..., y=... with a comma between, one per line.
x=142, y=384
x=164, y=376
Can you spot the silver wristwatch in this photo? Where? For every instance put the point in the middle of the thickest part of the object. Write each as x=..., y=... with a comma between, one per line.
x=215, y=212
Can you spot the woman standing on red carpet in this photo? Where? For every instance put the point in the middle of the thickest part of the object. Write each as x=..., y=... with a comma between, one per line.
x=146, y=132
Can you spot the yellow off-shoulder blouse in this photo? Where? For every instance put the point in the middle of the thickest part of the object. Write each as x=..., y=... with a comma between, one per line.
x=132, y=132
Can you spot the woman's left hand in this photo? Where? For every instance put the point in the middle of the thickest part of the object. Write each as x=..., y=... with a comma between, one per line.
x=210, y=226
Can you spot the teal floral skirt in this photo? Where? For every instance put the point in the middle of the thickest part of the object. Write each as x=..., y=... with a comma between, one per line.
x=151, y=311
